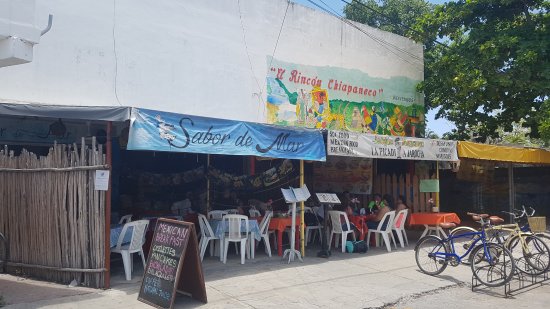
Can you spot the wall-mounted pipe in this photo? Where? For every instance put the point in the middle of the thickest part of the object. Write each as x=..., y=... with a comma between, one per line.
x=49, y=26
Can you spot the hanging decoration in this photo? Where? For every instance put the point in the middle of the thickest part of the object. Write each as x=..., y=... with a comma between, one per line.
x=266, y=179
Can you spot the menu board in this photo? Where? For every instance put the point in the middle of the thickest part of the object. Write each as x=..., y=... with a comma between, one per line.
x=328, y=198
x=174, y=248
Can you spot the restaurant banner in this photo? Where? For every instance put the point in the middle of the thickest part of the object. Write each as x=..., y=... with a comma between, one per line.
x=354, y=144
x=162, y=131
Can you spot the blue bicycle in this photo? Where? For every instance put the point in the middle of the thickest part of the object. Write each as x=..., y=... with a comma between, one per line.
x=491, y=263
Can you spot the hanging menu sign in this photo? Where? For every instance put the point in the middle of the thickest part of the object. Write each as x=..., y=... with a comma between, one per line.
x=353, y=144
x=173, y=265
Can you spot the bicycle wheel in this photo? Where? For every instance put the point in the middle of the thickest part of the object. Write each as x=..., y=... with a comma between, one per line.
x=430, y=255
x=533, y=258
x=492, y=265
x=463, y=243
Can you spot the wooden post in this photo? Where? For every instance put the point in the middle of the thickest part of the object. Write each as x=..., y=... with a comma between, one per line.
x=252, y=166
x=511, y=188
x=437, y=177
x=302, y=219
x=108, y=158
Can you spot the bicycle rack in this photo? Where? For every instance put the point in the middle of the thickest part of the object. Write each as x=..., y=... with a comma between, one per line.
x=520, y=280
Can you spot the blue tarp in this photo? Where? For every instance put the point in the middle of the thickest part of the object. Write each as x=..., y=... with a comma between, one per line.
x=162, y=131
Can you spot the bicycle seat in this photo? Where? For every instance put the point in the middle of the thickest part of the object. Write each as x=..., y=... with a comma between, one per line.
x=447, y=225
x=496, y=220
x=477, y=217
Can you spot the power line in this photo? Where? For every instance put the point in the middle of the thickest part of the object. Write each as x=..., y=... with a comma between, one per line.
x=279, y=35
x=385, y=42
x=397, y=23
x=114, y=51
x=246, y=49
x=374, y=38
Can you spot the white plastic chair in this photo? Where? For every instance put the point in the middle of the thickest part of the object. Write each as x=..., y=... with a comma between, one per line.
x=264, y=231
x=216, y=214
x=235, y=234
x=254, y=213
x=125, y=219
x=337, y=228
x=312, y=228
x=388, y=218
x=136, y=245
x=206, y=236
x=399, y=226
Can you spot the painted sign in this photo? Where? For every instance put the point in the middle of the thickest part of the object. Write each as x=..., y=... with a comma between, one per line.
x=173, y=265
x=342, y=99
x=340, y=174
x=161, y=131
x=354, y=144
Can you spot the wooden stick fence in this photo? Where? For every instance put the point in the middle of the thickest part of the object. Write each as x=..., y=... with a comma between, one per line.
x=51, y=215
x=406, y=185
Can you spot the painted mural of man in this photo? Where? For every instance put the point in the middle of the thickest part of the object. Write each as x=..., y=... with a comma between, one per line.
x=398, y=144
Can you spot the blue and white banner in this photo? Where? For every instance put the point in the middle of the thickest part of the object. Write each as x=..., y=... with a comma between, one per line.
x=162, y=131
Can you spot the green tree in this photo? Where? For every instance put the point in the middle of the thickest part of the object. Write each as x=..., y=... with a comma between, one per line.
x=544, y=122
x=495, y=68
x=397, y=16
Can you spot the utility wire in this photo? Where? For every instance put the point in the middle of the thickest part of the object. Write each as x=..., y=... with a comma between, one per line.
x=371, y=36
x=114, y=51
x=378, y=40
x=279, y=35
x=246, y=50
x=397, y=23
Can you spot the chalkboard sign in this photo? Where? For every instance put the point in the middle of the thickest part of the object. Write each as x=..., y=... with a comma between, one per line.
x=173, y=265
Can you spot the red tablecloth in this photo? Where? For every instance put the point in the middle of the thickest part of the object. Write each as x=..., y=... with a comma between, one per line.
x=433, y=218
x=279, y=225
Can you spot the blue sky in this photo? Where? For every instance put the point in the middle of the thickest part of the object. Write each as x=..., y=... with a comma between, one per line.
x=439, y=126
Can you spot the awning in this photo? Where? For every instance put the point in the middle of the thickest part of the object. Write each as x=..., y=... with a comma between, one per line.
x=503, y=153
x=355, y=144
x=102, y=113
x=163, y=131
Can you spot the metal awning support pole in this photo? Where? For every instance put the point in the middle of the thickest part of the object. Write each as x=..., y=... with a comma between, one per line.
x=302, y=219
x=207, y=184
x=108, y=159
x=511, y=188
x=439, y=185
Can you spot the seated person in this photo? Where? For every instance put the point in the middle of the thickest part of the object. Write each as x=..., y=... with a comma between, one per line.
x=261, y=206
x=181, y=208
x=400, y=204
x=388, y=201
x=225, y=200
x=380, y=212
x=375, y=204
x=349, y=212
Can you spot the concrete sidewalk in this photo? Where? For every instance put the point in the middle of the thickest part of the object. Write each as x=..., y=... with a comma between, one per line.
x=373, y=280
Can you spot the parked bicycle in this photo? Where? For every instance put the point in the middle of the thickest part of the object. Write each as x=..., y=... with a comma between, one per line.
x=530, y=252
x=491, y=263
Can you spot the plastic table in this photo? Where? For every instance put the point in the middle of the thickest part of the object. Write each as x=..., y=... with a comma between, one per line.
x=431, y=221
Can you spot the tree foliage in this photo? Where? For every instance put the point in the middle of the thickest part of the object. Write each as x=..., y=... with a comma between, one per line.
x=397, y=16
x=493, y=68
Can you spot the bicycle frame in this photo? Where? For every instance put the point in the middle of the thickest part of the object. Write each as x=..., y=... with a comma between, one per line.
x=482, y=237
x=514, y=230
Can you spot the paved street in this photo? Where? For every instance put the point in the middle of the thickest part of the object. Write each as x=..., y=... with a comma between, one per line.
x=374, y=280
